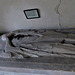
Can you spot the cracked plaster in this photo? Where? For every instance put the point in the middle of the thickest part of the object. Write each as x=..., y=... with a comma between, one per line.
x=67, y=13
x=55, y=14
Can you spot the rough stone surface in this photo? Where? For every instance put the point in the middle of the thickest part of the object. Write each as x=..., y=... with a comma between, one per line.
x=38, y=43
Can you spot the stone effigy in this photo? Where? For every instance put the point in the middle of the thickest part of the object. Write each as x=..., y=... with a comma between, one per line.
x=37, y=43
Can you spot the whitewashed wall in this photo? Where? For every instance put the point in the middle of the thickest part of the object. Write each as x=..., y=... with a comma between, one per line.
x=54, y=14
x=67, y=13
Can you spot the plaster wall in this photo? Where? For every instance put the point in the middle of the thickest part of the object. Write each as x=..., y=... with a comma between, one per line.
x=55, y=14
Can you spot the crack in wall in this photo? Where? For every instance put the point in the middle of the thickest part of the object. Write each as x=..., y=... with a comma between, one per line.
x=57, y=11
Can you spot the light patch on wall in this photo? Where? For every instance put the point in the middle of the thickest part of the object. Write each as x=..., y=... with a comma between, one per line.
x=32, y=13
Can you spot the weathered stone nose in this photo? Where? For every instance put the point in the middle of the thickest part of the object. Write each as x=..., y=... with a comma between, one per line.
x=3, y=38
